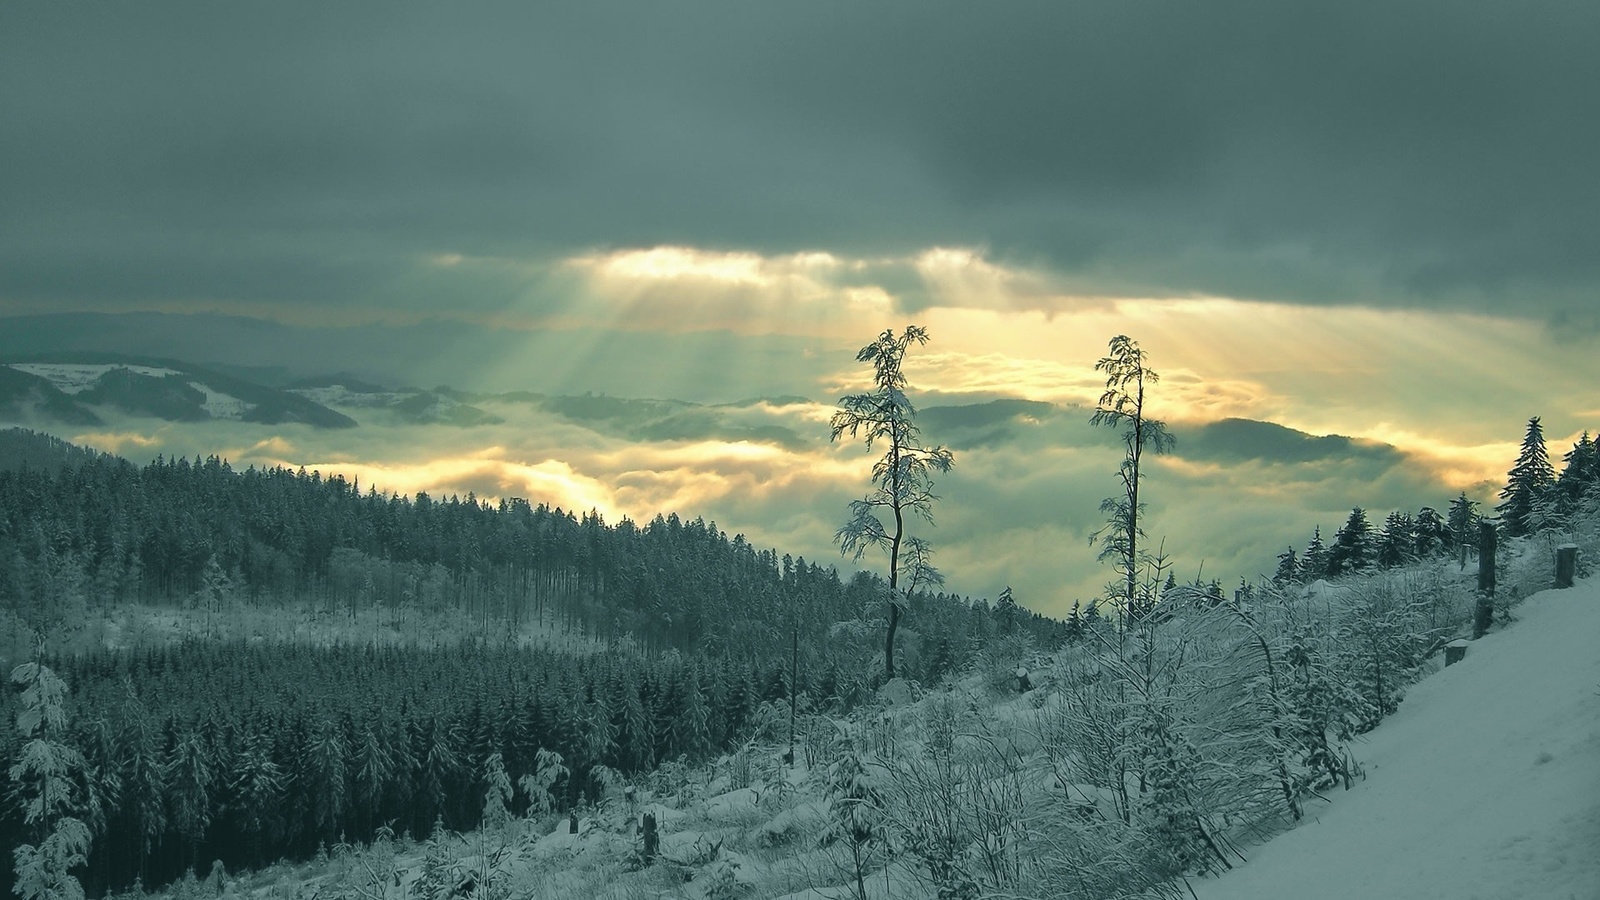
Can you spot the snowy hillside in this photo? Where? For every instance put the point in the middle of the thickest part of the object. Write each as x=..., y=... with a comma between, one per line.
x=75, y=378
x=80, y=388
x=1485, y=784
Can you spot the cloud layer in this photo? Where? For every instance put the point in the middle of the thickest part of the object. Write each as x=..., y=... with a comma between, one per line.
x=1017, y=510
x=314, y=157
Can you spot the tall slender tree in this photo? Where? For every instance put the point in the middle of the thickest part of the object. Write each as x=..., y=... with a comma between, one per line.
x=1532, y=475
x=1121, y=406
x=902, y=481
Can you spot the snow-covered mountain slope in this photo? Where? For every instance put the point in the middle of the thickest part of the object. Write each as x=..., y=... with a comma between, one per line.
x=1486, y=783
x=75, y=378
x=79, y=388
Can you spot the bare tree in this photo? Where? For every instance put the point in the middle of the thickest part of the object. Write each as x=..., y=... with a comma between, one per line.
x=1122, y=406
x=902, y=481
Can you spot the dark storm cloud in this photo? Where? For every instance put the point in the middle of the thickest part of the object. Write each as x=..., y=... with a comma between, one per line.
x=1413, y=152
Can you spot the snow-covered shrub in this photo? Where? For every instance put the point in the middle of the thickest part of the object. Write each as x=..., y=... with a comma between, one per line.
x=855, y=820
x=1383, y=629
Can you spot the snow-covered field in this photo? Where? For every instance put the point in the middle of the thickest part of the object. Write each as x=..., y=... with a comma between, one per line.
x=75, y=378
x=339, y=395
x=1485, y=785
x=219, y=405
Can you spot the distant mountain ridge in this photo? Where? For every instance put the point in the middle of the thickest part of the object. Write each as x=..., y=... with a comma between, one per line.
x=71, y=387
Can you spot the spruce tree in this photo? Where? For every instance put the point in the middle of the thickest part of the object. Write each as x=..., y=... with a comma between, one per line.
x=45, y=780
x=1580, y=469
x=1395, y=541
x=1288, y=568
x=1526, y=482
x=1580, y=473
x=1314, y=564
x=498, y=795
x=1352, y=546
x=1430, y=534
x=1463, y=524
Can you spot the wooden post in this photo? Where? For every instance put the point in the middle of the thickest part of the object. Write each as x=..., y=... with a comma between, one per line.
x=1484, y=614
x=1566, y=564
x=1454, y=652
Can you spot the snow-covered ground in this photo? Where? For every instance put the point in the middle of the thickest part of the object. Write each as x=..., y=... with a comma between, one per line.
x=1485, y=784
x=221, y=406
x=339, y=395
x=73, y=378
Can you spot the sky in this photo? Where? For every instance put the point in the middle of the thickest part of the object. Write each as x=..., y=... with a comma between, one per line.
x=1369, y=220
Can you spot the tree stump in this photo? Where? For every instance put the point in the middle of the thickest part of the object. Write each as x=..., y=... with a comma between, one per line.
x=1454, y=652
x=652, y=838
x=1566, y=564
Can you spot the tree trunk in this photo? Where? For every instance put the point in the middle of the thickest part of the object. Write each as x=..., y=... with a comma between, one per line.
x=1483, y=616
x=1566, y=564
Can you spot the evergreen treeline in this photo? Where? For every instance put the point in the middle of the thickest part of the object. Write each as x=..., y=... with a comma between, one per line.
x=104, y=532
x=1534, y=499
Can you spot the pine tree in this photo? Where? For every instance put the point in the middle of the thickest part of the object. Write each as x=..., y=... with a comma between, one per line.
x=190, y=777
x=46, y=779
x=371, y=768
x=258, y=785
x=1395, y=541
x=1580, y=470
x=1314, y=564
x=1559, y=502
x=1527, y=480
x=1463, y=524
x=1005, y=612
x=1075, y=623
x=691, y=731
x=540, y=785
x=1430, y=534
x=497, y=799
x=1352, y=546
x=144, y=777
x=1288, y=571
x=326, y=780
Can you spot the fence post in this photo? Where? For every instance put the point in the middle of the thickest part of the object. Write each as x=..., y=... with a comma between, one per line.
x=1483, y=616
x=1566, y=564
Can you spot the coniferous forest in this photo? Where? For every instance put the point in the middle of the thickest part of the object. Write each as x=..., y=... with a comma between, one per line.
x=251, y=751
